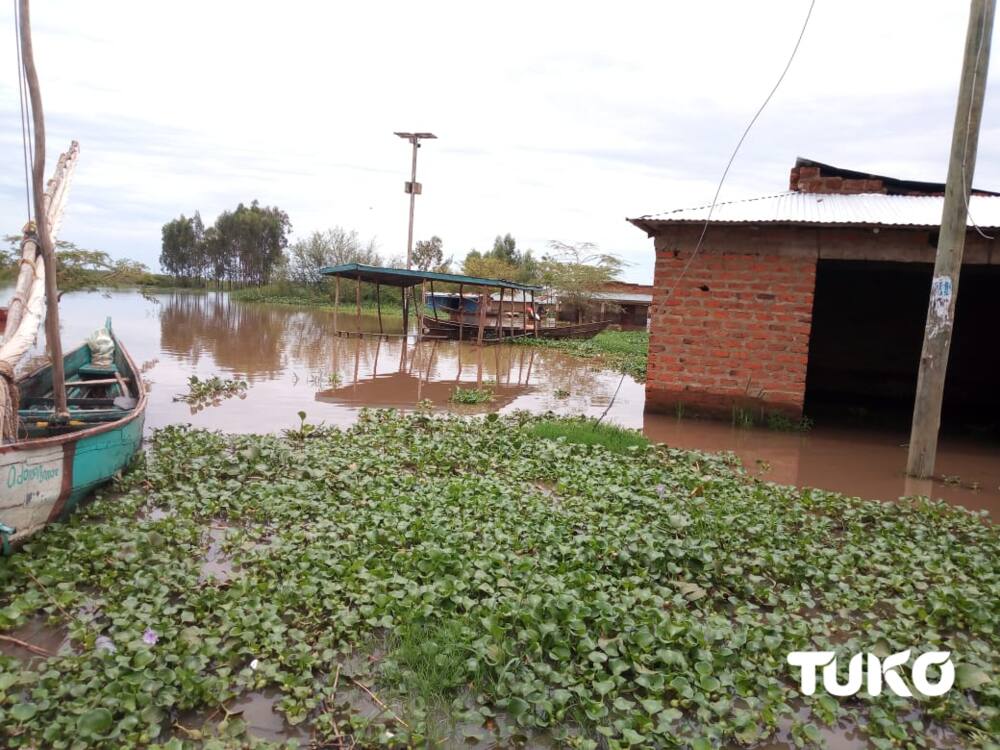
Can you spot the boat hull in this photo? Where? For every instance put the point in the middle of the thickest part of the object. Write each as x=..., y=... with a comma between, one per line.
x=450, y=329
x=41, y=484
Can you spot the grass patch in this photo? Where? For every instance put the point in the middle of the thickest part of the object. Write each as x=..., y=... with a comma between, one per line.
x=426, y=661
x=588, y=432
x=745, y=418
x=625, y=351
x=300, y=296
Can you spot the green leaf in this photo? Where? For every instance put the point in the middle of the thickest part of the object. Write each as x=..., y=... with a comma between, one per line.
x=23, y=711
x=652, y=705
x=517, y=707
x=969, y=677
x=95, y=723
x=604, y=687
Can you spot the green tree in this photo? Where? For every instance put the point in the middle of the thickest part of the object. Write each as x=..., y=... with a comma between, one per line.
x=80, y=269
x=505, y=248
x=333, y=247
x=576, y=272
x=428, y=255
x=248, y=243
x=181, y=247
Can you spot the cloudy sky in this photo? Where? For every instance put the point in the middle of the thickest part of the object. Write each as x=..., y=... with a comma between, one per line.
x=556, y=120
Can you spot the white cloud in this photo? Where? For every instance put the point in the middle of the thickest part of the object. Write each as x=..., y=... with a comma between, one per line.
x=556, y=120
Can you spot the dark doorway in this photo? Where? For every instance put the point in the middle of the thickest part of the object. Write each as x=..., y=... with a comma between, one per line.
x=867, y=333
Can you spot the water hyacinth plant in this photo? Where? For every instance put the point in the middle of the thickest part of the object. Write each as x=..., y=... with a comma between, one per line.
x=212, y=390
x=418, y=579
x=471, y=395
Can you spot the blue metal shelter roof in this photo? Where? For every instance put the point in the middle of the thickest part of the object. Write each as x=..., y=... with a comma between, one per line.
x=404, y=277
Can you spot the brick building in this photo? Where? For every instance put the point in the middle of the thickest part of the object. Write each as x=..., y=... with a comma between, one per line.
x=817, y=297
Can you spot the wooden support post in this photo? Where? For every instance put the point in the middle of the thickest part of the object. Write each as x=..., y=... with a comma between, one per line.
x=357, y=302
x=482, y=318
x=434, y=306
x=461, y=317
x=500, y=309
x=406, y=313
x=535, y=317
x=951, y=243
x=378, y=305
x=336, y=304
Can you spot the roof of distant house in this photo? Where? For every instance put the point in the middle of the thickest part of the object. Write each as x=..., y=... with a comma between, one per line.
x=629, y=298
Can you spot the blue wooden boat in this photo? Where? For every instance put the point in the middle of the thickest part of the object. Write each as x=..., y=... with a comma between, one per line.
x=56, y=463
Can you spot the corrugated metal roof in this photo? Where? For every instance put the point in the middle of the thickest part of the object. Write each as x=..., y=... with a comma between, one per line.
x=404, y=277
x=868, y=209
x=631, y=297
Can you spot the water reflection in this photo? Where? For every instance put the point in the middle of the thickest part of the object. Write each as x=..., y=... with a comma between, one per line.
x=293, y=361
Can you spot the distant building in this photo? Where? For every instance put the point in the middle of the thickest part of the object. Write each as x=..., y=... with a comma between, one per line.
x=626, y=304
x=817, y=296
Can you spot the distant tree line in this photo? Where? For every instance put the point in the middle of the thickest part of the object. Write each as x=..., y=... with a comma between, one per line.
x=249, y=247
x=244, y=247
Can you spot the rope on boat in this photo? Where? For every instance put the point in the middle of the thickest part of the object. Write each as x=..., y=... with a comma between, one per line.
x=10, y=401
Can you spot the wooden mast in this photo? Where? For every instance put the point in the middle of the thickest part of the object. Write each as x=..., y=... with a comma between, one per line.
x=52, y=333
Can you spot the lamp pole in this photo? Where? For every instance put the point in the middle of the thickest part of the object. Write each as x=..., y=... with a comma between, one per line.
x=413, y=188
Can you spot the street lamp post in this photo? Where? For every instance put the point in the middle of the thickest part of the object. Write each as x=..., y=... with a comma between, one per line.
x=413, y=188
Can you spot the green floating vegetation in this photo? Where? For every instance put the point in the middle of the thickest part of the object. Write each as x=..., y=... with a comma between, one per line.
x=482, y=580
x=588, y=432
x=212, y=390
x=625, y=351
x=320, y=297
x=462, y=395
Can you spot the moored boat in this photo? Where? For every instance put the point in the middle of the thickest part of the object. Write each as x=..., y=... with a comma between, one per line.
x=55, y=463
x=453, y=329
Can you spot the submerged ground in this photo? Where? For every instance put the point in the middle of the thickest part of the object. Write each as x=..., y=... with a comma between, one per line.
x=416, y=580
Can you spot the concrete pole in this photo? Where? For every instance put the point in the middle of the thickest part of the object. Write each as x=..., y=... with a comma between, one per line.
x=951, y=242
x=409, y=234
x=413, y=199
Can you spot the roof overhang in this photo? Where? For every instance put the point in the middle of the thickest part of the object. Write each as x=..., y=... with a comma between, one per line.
x=409, y=277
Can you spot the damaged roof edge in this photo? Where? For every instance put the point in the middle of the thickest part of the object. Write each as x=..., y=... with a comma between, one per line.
x=828, y=209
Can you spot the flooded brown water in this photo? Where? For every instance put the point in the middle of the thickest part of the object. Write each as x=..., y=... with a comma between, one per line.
x=293, y=362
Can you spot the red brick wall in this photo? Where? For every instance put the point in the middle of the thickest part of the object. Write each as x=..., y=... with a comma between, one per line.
x=734, y=331
x=811, y=180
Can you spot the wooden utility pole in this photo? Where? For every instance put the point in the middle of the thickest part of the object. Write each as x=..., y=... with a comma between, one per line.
x=951, y=242
x=52, y=332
